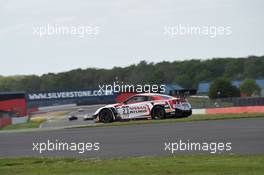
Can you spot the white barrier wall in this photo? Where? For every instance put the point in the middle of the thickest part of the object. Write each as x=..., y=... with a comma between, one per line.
x=57, y=107
x=17, y=120
x=199, y=111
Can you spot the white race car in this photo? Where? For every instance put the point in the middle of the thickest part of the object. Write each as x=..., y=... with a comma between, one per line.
x=146, y=105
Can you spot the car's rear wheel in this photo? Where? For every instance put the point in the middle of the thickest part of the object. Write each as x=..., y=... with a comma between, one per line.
x=106, y=116
x=158, y=112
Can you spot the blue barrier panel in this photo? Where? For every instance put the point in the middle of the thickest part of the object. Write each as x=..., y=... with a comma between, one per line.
x=79, y=97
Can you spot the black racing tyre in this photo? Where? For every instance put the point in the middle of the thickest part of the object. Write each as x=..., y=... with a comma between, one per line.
x=158, y=112
x=106, y=116
x=182, y=114
x=187, y=114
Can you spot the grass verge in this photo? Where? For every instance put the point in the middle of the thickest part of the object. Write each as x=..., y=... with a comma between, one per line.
x=174, y=120
x=28, y=125
x=181, y=164
x=35, y=120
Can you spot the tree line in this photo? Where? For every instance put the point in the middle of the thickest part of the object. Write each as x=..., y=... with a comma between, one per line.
x=186, y=73
x=223, y=88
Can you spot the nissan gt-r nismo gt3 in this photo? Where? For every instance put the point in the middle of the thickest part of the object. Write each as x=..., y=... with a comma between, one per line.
x=146, y=105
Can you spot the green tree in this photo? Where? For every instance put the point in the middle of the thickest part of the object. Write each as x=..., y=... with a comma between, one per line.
x=249, y=87
x=183, y=80
x=222, y=88
x=187, y=73
x=232, y=69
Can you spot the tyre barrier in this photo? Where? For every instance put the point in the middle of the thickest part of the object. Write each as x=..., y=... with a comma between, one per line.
x=5, y=121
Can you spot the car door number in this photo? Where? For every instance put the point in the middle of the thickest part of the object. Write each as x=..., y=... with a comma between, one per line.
x=125, y=110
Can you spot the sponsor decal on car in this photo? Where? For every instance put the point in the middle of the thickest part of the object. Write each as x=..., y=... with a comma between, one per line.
x=138, y=109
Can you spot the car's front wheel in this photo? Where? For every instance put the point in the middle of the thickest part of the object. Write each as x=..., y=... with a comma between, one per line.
x=158, y=112
x=106, y=116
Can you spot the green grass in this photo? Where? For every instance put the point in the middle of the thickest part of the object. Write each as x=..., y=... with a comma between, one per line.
x=180, y=165
x=35, y=123
x=28, y=125
x=35, y=120
x=174, y=120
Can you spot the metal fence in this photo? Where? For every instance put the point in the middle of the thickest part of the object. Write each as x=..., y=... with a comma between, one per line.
x=227, y=102
x=245, y=101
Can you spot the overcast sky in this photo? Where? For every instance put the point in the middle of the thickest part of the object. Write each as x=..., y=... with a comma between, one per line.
x=129, y=31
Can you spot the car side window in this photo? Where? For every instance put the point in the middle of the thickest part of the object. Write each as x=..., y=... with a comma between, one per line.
x=136, y=99
x=148, y=98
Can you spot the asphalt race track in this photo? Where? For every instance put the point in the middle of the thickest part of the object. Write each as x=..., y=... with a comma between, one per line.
x=64, y=122
x=246, y=136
